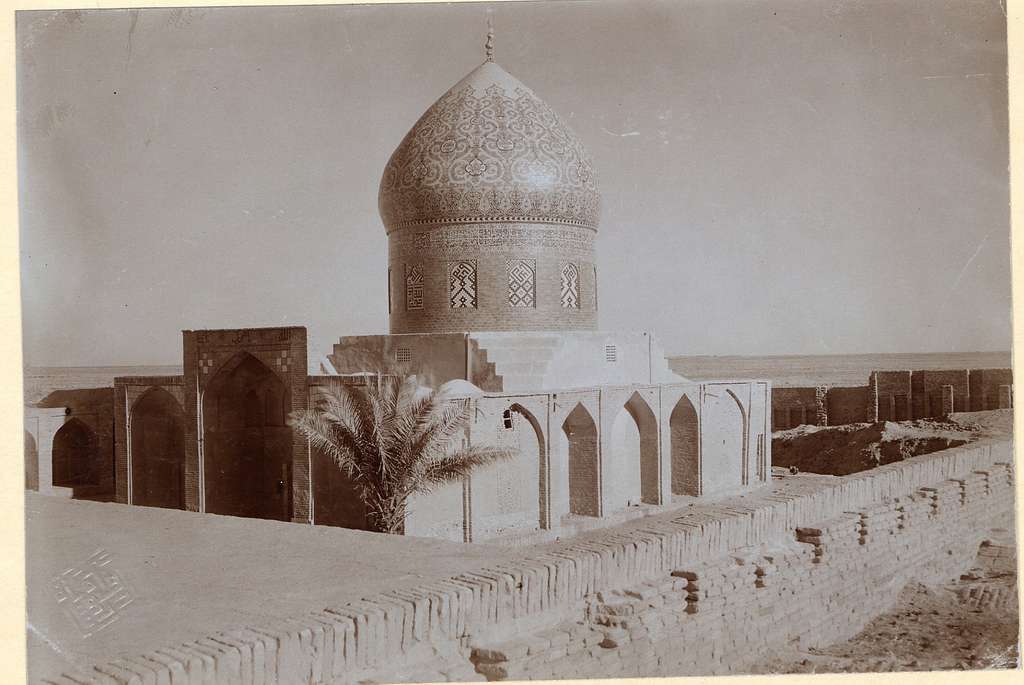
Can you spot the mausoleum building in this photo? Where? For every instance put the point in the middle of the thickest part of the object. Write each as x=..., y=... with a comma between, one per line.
x=491, y=207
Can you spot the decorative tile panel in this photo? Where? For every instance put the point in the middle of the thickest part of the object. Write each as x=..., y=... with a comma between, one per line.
x=522, y=282
x=490, y=150
x=462, y=284
x=570, y=286
x=413, y=287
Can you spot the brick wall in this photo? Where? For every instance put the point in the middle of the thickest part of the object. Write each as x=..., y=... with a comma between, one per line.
x=927, y=391
x=822, y=585
x=984, y=387
x=490, y=246
x=792, y=407
x=704, y=579
x=847, y=405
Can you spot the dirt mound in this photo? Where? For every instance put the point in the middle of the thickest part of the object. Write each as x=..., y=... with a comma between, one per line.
x=841, y=450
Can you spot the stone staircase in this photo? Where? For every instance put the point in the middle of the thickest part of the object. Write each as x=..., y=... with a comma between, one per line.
x=521, y=360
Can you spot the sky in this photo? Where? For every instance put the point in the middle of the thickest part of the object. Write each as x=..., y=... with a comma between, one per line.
x=791, y=177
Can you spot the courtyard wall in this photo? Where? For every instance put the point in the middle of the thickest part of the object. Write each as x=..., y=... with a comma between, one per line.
x=725, y=577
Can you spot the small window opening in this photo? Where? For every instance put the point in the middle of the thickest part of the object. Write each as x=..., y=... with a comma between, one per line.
x=506, y=418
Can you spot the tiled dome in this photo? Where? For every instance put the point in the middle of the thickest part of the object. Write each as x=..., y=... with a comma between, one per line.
x=489, y=150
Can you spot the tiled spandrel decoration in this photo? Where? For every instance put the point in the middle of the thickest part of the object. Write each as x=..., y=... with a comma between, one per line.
x=570, y=286
x=462, y=284
x=413, y=287
x=522, y=283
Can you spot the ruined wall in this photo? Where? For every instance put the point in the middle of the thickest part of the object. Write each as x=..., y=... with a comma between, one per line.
x=793, y=407
x=722, y=580
x=927, y=391
x=986, y=386
x=847, y=405
x=821, y=586
x=893, y=396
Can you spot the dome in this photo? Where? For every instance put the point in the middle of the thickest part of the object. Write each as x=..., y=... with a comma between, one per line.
x=488, y=151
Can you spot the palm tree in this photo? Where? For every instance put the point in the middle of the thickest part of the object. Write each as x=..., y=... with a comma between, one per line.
x=392, y=438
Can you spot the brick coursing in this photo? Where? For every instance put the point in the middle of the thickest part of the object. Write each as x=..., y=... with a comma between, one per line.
x=704, y=576
x=491, y=246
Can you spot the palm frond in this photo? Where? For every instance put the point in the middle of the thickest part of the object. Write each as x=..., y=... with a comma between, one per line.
x=321, y=434
x=441, y=426
x=460, y=464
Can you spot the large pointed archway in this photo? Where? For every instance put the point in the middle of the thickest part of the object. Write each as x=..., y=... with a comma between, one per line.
x=75, y=455
x=158, y=451
x=246, y=441
x=579, y=442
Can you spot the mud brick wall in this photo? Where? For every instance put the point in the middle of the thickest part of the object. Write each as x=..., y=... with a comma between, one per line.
x=984, y=387
x=792, y=407
x=725, y=576
x=821, y=586
x=927, y=391
x=847, y=405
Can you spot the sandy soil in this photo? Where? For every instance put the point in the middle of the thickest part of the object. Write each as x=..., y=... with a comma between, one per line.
x=841, y=450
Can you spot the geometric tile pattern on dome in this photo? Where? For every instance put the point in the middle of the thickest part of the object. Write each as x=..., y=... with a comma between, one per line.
x=462, y=284
x=570, y=286
x=489, y=150
x=413, y=286
x=522, y=282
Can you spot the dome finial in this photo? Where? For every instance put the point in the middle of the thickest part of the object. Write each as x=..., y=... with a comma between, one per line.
x=489, y=45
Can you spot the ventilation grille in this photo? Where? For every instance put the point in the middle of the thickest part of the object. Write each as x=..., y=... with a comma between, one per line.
x=403, y=355
x=611, y=354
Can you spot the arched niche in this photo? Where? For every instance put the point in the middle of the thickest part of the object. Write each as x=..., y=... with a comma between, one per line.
x=724, y=444
x=158, y=451
x=684, y=444
x=246, y=442
x=75, y=455
x=580, y=443
x=508, y=495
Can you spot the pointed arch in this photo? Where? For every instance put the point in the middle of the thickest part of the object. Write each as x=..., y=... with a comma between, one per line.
x=75, y=455
x=580, y=443
x=543, y=475
x=684, y=444
x=31, y=462
x=157, y=450
x=246, y=443
x=634, y=463
x=724, y=443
